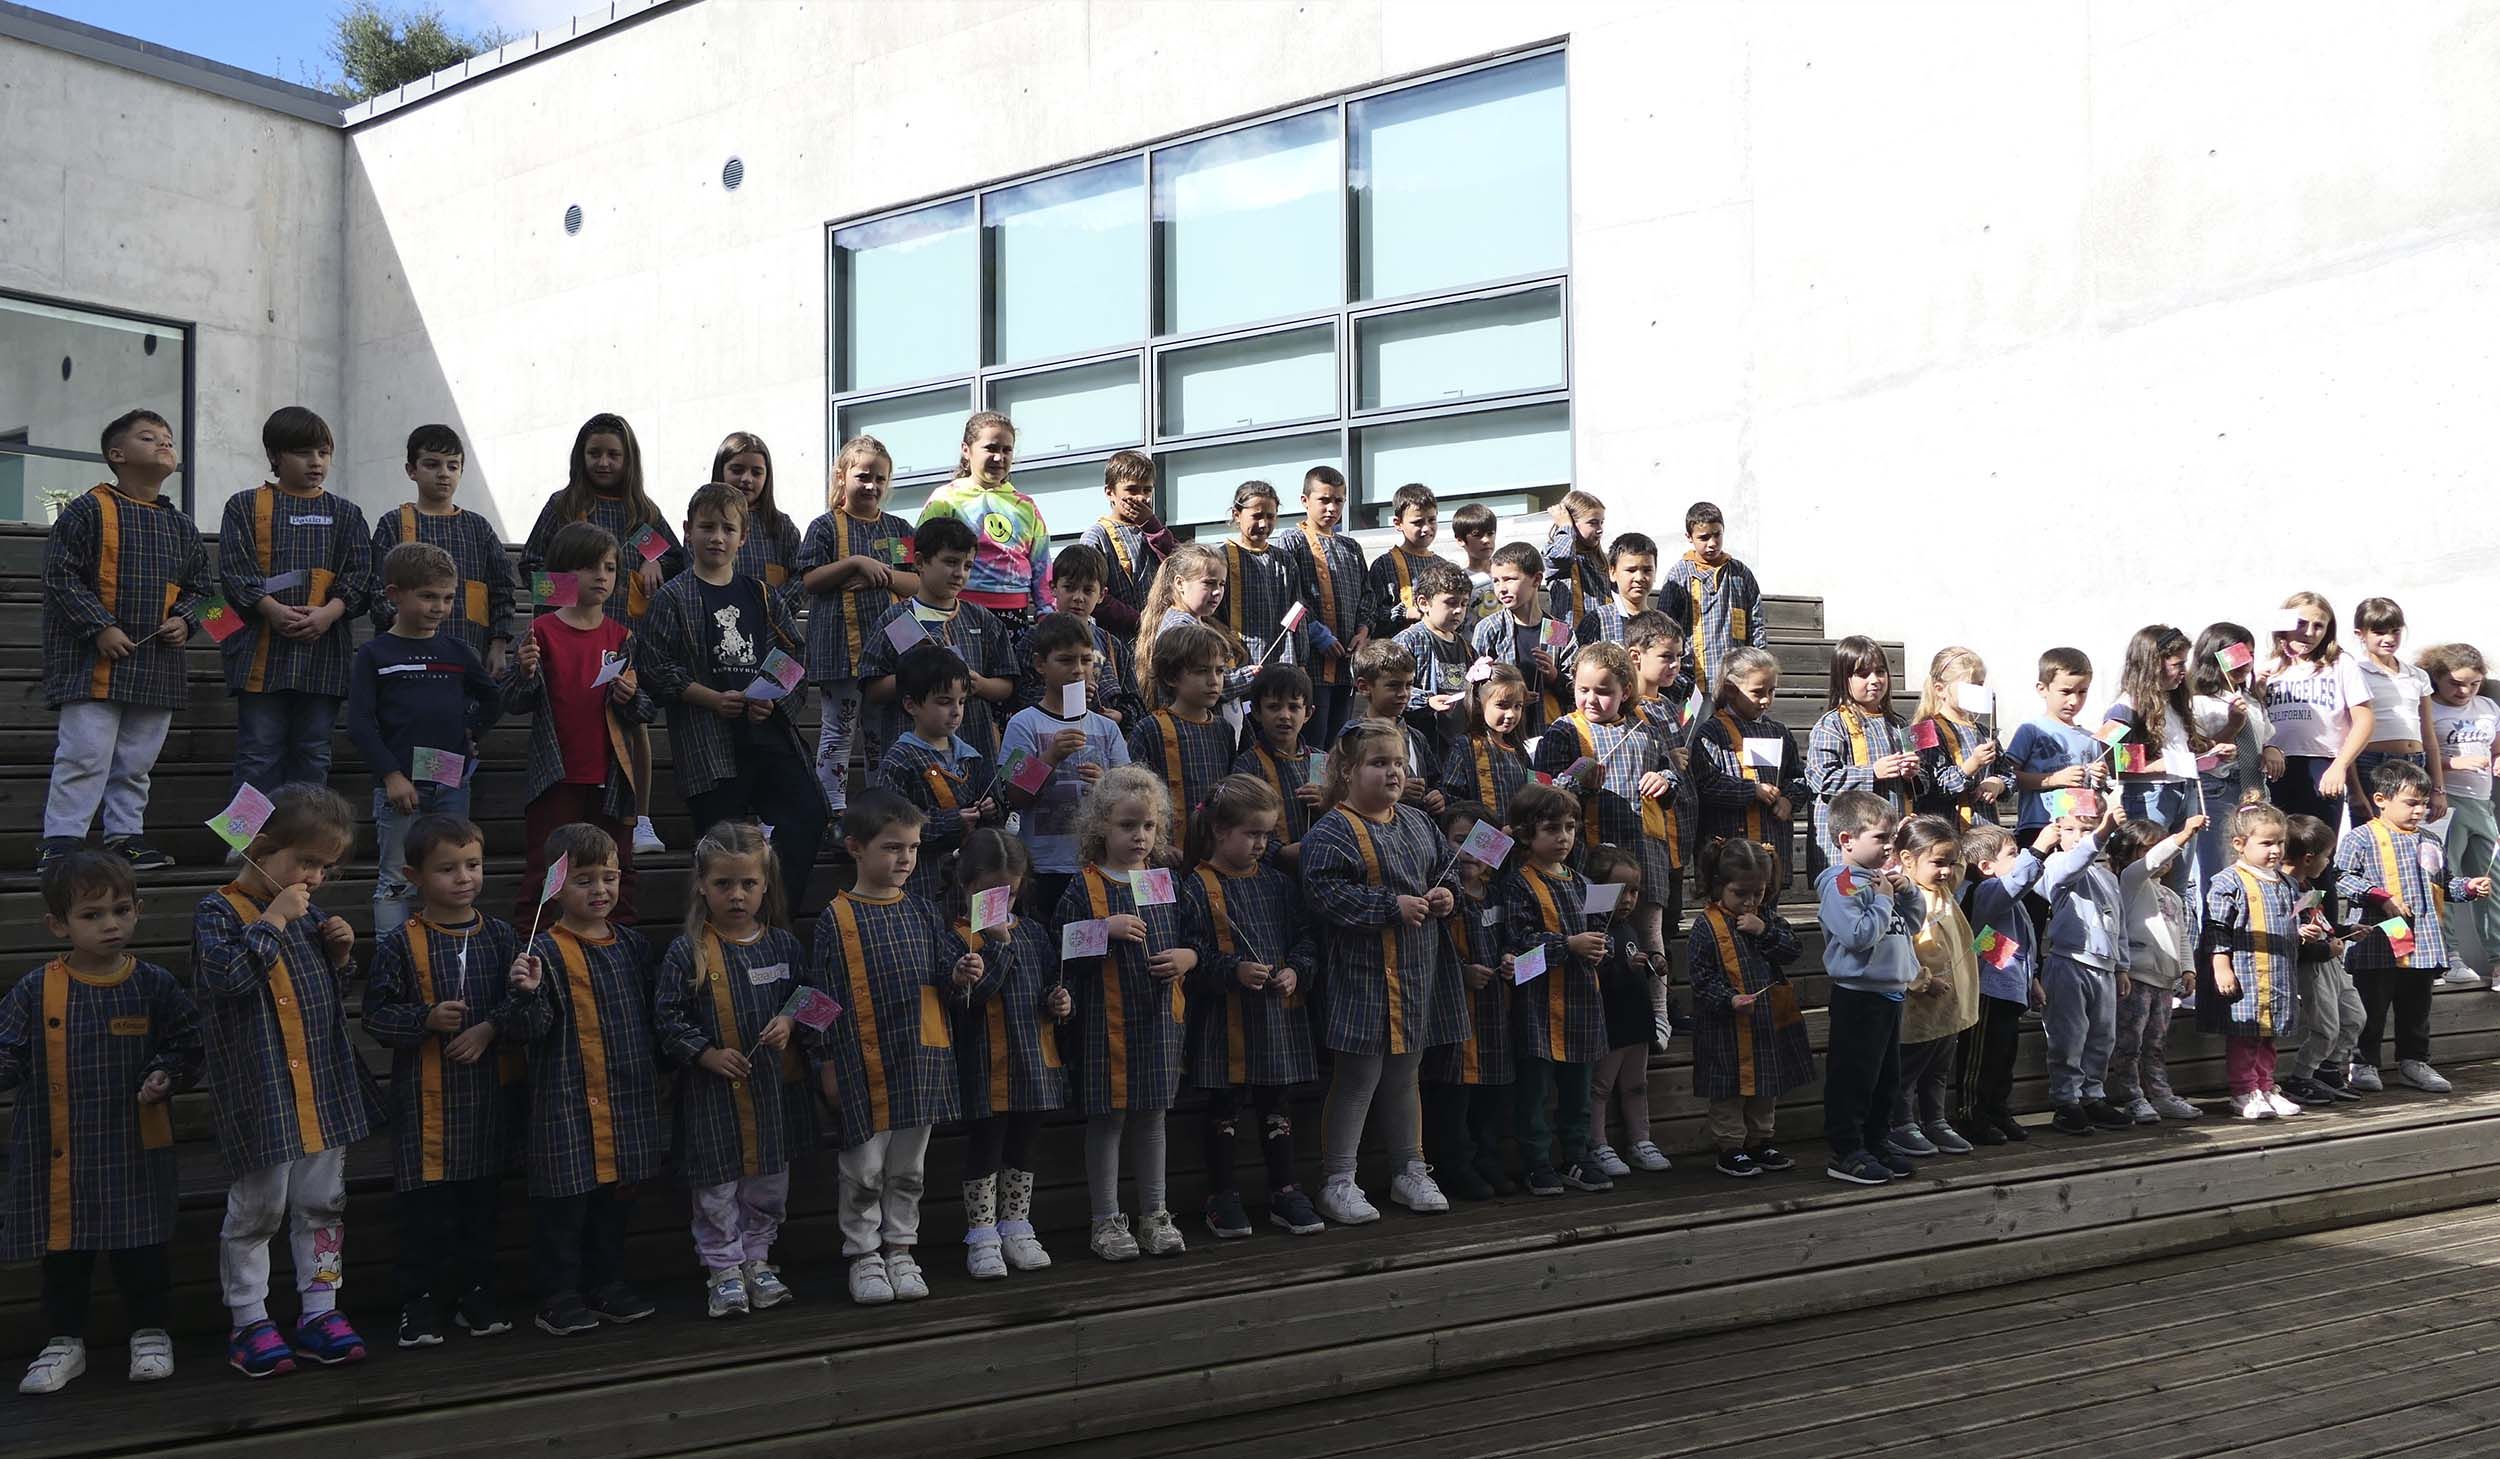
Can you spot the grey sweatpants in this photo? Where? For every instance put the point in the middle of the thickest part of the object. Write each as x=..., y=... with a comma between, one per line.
x=2329, y=1017
x=2082, y=1021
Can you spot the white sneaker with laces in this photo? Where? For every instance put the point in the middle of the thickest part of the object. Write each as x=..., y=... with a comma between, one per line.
x=646, y=838
x=1647, y=1155
x=1111, y=1240
x=1341, y=1201
x=870, y=1286
x=1416, y=1190
x=1608, y=1161
x=2253, y=1107
x=1161, y=1236
x=903, y=1270
x=151, y=1355
x=62, y=1359
x=2172, y=1107
x=2422, y=1076
x=2279, y=1104
x=2363, y=1077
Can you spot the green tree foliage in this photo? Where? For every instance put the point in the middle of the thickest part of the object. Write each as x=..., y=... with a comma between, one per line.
x=378, y=48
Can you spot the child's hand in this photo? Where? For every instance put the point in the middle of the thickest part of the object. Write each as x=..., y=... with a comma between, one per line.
x=2273, y=763
x=731, y=705
x=759, y=710
x=2193, y=824
x=1253, y=976
x=2126, y=985
x=1980, y=756
x=1063, y=744
x=649, y=572
x=1655, y=785
x=1477, y=975
x=471, y=1045
x=2312, y=931
x=1587, y=945
x=1766, y=792
x=1743, y=1000
x=1125, y=927
x=524, y=974
x=1991, y=790
x=1752, y=925
x=1781, y=810
x=400, y=792
x=498, y=653
x=1545, y=665
x=623, y=688
x=1896, y=767
x=2063, y=778
x=776, y=1034
x=2477, y=887
x=1444, y=703
x=1440, y=901
x=156, y=1088
x=526, y=661
x=2039, y=996
x=339, y=938
x=726, y=1063
x=447, y=1016
x=175, y=630
x=1435, y=802
x=1089, y=772
x=1310, y=795
x=967, y=969
x=1058, y=1004
x=2226, y=983
x=2052, y=836
x=1413, y=910
x=1170, y=963
x=1682, y=755
x=2331, y=782
x=2396, y=904
x=1285, y=982
x=112, y=645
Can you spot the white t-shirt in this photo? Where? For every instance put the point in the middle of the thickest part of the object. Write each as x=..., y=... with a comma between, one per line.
x=2213, y=715
x=2174, y=741
x=1049, y=824
x=2395, y=697
x=2465, y=734
x=2311, y=707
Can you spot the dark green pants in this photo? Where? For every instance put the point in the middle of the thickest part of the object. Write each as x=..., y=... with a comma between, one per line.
x=1569, y=1085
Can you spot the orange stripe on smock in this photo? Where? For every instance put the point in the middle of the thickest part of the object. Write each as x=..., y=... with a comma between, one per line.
x=290, y=1031
x=599, y=1102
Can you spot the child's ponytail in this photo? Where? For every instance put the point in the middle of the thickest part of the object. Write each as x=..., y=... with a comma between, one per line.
x=986, y=854
x=1235, y=799
x=1730, y=858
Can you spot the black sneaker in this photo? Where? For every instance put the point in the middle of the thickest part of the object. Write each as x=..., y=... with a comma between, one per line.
x=478, y=1315
x=2341, y=1090
x=1460, y=1178
x=1587, y=1175
x=1542, y=1181
x=1982, y=1131
x=2107, y=1116
x=1225, y=1217
x=140, y=855
x=619, y=1303
x=1738, y=1164
x=1859, y=1167
x=1489, y=1170
x=1769, y=1158
x=566, y=1315
x=2008, y=1126
x=2071, y=1120
x=2304, y=1091
x=1896, y=1164
x=418, y=1326
x=54, y=848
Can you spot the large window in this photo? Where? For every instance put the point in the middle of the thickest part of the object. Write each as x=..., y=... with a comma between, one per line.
x=65, y=372
x=1378, y=283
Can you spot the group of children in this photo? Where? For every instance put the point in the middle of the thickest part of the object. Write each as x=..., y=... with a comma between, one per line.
x=1135, y=817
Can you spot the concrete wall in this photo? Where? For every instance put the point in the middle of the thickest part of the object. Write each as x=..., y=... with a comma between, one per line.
x=123, y=191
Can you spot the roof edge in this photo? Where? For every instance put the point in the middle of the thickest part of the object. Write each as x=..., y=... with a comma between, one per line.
x=517, y=52
x=112, y=48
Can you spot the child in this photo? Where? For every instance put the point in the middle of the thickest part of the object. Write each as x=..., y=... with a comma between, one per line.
x=951, y=784
x=2244, y=989
x=939, y=611
x=888, y=1062
x=95, y=1042
x=1189, y=592
x=1665, y=692
x=1280, y=701
x=2463, y=724
x=1260, y=582
x=1747, y=777
x=1559, y=1031
x=603, y=487
x=441, y=999
x=1248, y=1021
x=1631, y=567
x=2403, y=877
x=1077, y=574
x=1859, y=743
x=1749, y=1036
x=297, y=562
x=1725, y=603
x=1869, y=914
x=581, y=765
x=1336, y=589
x=416, y=689
x=1008, y=1070
x=1954, y=778
x=1627, y=781
x=1525, y=637
x=770, y=549
x=1466, y=1085
x=1574, y=560
x=481, y=612
x=742, y=1107
x=118, y=555
x=2400, y=710
x=1417, y=518
x=1944, y=999
x=1389, y=994
x=1131, y=538
x=1474, y=525
x=1078, y=748
x=1625, y=977
x=1129, y=1008
x=2329, y=1010
x=271, y=973
x=853, y=565
x=2153, y=708
x=1012, y=557
x=594, y=1116
x=704, y=650
x=2319, y=708
x=1384, y=677
x=2222, y=712
x=1491, y=763
x=1187, y=745
x=1441, y=656
x=2087, y=955
x=1996, y=903
x=2138, y=1081
x=2052, y=752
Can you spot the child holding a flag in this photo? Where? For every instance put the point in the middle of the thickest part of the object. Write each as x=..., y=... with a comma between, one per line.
x=1747, y=774
x=953, y=786
x=2403, y=878
x=1954, y=735
x=2246, y=967
x=2329, y=1009
x=2087, y=955
x=1859, y=743
x=1996, y=902
x=1749, y=1035
x=2158, y=938
x=1008, y=1067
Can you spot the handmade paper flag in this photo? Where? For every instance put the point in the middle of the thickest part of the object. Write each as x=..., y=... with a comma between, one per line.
x=2430, y=858
x=2288, y=622
x=1027, y=772
x=2399, y=936
x=1580, y=767
x=1975, y=698
x=1765, y=753
x=1152, y=886
x=2210, y=760
x=2235, y=657
x=1925, y=735
x=1072, y=701
x=440, y=766
x=1479, y=671
x=557, y=875
x=762, y=688
x=1295, y=613
x=611, y=664
x=1090, y=938
x=648, y=541
x=2309, y=900
x=784, y=670
x=1602, y=898
x=2178, y=764
x=242, y=818
x=1555, y=634
x=811, y=1008
x=221, y=621
x=1529, y=965
x=1315, y=767
x=2132, y=759
x=2061, y=804
x=1995, y=948
x=990, y=906
x=294, y=578
x=556, y=589
x=1486, y=843
x=905, y=633
x=895, y=550
x=2112, y=731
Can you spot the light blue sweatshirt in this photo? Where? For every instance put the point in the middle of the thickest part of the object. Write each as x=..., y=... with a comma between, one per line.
x=1867, y=934
x=2087, y=913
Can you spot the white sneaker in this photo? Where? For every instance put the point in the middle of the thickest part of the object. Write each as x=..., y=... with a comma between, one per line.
x=2140, y=1110
x=1161, y=1237
x=725, y=1295
x=1341, y=1201
x=2363, y=1077
x=1608, y=1161
x=2172, y=1107
x=1647, y=1155
x=2460, y=977
x=903, y=1270
x=151, y=1355
x=870, y=1286
x=1416, y=1190
x=1111, y=1240
x=1024, y=1251
x=2253, y=1107
x=2279, y=1104
x=646, y=839
x=984, y=1258
x=62, y=1359
x=2422, y=1076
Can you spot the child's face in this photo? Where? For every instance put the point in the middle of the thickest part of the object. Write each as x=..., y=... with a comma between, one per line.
x=1280, y=718
x=146, y=450
x=1196, y=690
x=1628, y=878
x=1742, y=896
x=1866, y=849
x=1238, y=848
x=1078, y=598
x=713, y=538
x=603, y=460
x=1633, y=573
x=1938, y=868
x=2064, y=695
x=1590, y=528
x=1324, y=504
x=452, y=876
x=1871, y=690
x=1442, y=611
x=991, y=454
x=1131, y=834
x=302, y=469
x=436, y=474
x=2382, y=642
x=589, y=892
x=99, y=923
x=860, y=484
x=733, y=891
x=2002, y=864
x=1199, y=596
x=596, y=583
x=1505, y=709
x=1550, y=843
x=747, y=471
x=2261, y=848
x=2313, y=867
x=1131, y=501
x=887, y=858
x=1073, y=664
x=2405, y=810
x=1658, y=662
x=1380, y=775
x=1384, y=697
x=943, y=575
x=2174, y=671
x=1254, y=520
x=1709, y=542
x=937, y=717
x=1752, y=692
x=1477, y=543
x=1597, y=693
x=304, y=866
x=425, y=606
x=2304, y=641
x=1511, y=587
x=1417, y=526
x=2457, y=687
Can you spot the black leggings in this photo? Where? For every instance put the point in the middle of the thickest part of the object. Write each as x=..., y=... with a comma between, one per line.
x=997, y=1142
x=145, y=1275
x=1219, y=1131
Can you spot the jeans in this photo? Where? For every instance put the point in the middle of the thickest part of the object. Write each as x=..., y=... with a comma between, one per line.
x=2473, y=835
x=106, y=751
x=1926, y=1073
x=2139, y=1062
x=773, y=787
x=2082, y=1020
x=1861, y=1071
x=283, y=738
x=393, y=893
x=307, y=1194
x=2297, y=792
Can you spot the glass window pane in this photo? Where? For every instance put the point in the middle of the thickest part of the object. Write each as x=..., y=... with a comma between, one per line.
x=68, y=371
x=1068, y=262
x=27, y=481
x=907, y=296
x=1198, y=485
x=1464, y=455
x=923, y=432
x=1460, y=181
x=1073, y=410
x=1242, y=383
x=1494, y=346
x=1246, y=225
x=1069, y=497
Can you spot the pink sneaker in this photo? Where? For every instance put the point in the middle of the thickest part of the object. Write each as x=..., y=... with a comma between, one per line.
x=256, y=1351
x=327, y=1339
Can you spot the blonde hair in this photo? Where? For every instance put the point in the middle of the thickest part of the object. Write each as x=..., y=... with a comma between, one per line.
x=1350, y=751
x=1612, y=657
x=1954, y=665
x=733, y=838
x=1118, y=786
x=1189, y=562
x=857, y=448
x=2330, y=642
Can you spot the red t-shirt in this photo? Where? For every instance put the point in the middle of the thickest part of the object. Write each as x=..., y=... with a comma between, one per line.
x=569, y=659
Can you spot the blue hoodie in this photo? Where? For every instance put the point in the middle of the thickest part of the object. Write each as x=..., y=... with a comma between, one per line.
x=1867, y=934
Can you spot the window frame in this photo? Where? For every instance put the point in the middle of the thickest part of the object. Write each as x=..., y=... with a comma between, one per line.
x=184, y=429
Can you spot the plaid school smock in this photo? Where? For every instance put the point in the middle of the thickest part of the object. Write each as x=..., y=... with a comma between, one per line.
x=1483, y=1055
x=482, y=607
x=1391, y=588
x=671, y=652
x=976, y=636
x=1130, y=1029
x=91, y=1168
x=1236, y=1036
x=943, y=784
x=1575, y=581
x=1483, y=769
x=527, y=694
x=2375, y=859
x=1006, y=1043
x=1561, y=1015
x=1385, y=987
x=1722, y=608
x=1440, y=668
x=1723, y=784
x=1258, y=588
x=770, y=553
x=711, y=993
x=1615, y=811
x=1189, y=757
x=2256, y=919
x=594, y=1064
x=1750, y=1052
x=447, y=1118
x=288, y=1083
x=1336, y=588
x=115, y=560
x=1943, y=789
x=839, y=620
x=631, y=600
x=1841, y=750
x=269, y=532
x=1133, y=561
x=1549, y=699
x=892, y=1050
x=1284, y=774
